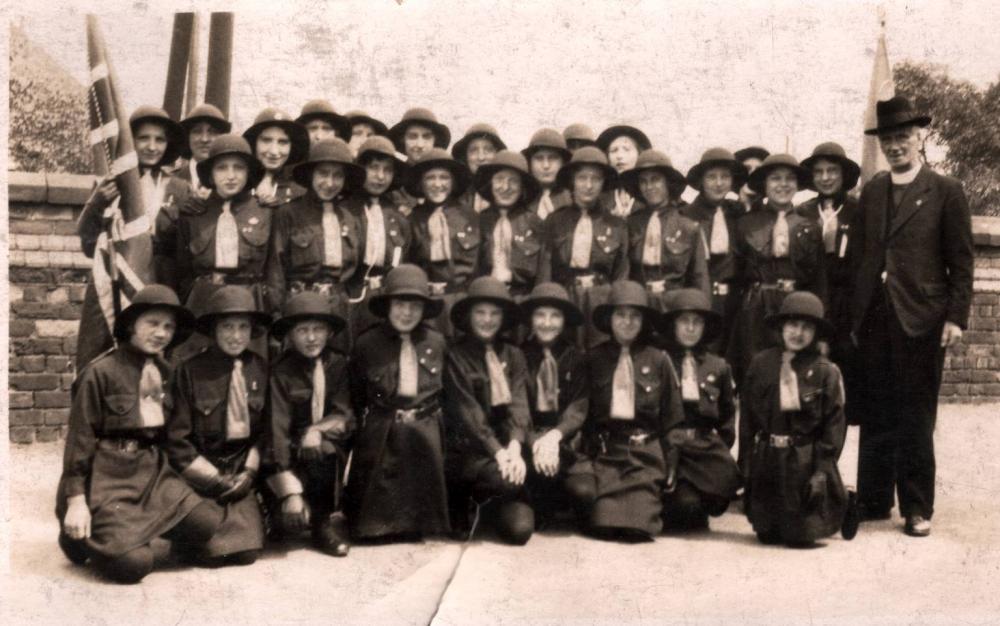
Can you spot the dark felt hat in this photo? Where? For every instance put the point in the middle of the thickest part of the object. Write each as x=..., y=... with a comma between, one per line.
x=547, y=138
x=717, y=157
x=405, y=281
x=360, y=117
x=230, y=145
x=831, y=151
x=895, y=113
x=694, y=301
x=297, y=133
x=421, y=117
x=553, y=295
x=613, y=132
x=752, y=152
x=232, y=300
x=433, y=158
x=204, y=112
x=155, y=296
x=625, y=293
x=323, y=110
x=306, y=305
x=776, y=161
x=587, y=155
x=655, y=161
x=580, y=133
x=486, y=289
x=802, y=305
x=477, y=131
x=379, y=146
x=330, y=151
x=506, y=159
x=176, y=137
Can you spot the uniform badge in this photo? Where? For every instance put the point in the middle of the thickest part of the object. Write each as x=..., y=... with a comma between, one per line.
x=919, y=202
x=253, y=385
x=343, y=231
x=392, y=233
x=645, y=369
x=253, y=221
x=710, y=378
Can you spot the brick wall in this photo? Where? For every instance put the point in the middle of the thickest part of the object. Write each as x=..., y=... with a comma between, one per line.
x=48, y=274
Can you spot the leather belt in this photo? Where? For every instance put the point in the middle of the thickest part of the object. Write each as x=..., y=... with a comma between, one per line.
x=783, y=441
x=687, y=434
x=656, y=286
x=321, y=287
x=124, y=445
x=374, y=282
x=586, y=281
x=407, y=416
x=720, y=288
x=438, y=289
x=629, y=437
x=221, y=278
x=782, y=284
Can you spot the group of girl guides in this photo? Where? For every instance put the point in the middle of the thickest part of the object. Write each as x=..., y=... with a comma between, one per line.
x=358, y=334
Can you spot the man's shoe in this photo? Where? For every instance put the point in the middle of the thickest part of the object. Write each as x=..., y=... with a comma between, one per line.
x=917, y=526
x=331, y=536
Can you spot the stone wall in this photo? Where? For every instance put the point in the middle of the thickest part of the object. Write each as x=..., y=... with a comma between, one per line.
x=48, y=274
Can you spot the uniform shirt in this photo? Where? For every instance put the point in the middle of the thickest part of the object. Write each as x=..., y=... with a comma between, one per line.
x=716, y=405
x=721, y=267
x=805, y=263
x=573, y=389
x=374, y=370
x=466, y=239
x=105, y=405
x=560, y=198
x=398, y=232
x=285, y=190
x=682, y=255
x=838, y=269
x=608, y=250
x=480, y=428
x=526, y=247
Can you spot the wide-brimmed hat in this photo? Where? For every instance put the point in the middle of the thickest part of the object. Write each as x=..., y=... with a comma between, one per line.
x=480, y=130
x=297, y=133
x=360, y=117
x=176, y=137
x=323, y=110
x=693, y=301
x=379, y=146
x=486, y=289
x=580, y=133
x=773, y=162
x=655, y=161
x=553, y=295
x=334, y=150
x=832, y=151
x=801, y=305
x=230, y=145
x=611, y=133
x=437, y=157
x=547, y=139
x=506, y=160
x=306, y=305
x=587, y=155
x=405, y=281
x=232, y=300
x=717, y=157
x=895, y=113
x=752, y=152
x=155, y=296
x=625, y=293
x=421, y=117
x=204, y=112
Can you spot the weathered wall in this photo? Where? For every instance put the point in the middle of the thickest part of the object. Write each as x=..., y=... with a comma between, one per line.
x=48, y=274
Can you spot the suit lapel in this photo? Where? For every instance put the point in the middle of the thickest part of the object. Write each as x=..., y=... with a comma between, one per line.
x=913, y=199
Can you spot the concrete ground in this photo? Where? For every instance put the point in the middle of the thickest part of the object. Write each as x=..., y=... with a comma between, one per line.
x=720, y=577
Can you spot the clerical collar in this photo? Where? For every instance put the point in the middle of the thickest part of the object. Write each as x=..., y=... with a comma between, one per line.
x=906, y=177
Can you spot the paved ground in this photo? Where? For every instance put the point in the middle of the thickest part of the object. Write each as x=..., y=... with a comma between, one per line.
x=720, y=577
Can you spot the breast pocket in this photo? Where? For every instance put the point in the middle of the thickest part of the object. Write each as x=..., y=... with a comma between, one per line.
x=209, y=416
x=648, y=388
x=120, y=411
x=524, y=255
x=678, y=252
x=604, y=250
x=708, y=400
x=202, y=237
x=465, y=244
x=811, y=401
x=253, y=239
x=302, y=248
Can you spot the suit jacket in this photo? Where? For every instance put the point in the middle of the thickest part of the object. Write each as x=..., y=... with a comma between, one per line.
x=925, y=252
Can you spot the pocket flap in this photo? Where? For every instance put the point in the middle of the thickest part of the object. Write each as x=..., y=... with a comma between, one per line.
x=302, y=238
x=206, y=404
x=120, y=404
x=934, y=290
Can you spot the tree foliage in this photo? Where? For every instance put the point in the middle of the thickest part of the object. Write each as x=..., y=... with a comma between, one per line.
x=965, y=124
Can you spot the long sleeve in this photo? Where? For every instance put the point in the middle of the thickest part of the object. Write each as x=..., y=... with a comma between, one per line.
x=464, y=408
x=81, y=441
x=338, y=415
x=518, y=413
x=727, y=406
x=697, y=274
x=183, y=265
x=358, y=382
x=620, y=269
x=956, y=241
x=278, y=453
x=575, y=397
x=181, y=450
x=748, y=419
x=831, y=442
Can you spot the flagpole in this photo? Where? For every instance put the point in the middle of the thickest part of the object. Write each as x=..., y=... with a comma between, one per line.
x=191, y=92
x=177, y=65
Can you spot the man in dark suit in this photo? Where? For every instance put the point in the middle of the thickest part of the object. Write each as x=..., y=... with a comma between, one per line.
x=913, y=261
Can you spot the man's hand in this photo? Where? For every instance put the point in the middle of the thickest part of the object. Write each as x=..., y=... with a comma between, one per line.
x=951, y=334
x=545, y=452
x=76, y=522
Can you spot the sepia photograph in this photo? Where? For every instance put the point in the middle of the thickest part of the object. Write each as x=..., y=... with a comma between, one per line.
x=501, y=312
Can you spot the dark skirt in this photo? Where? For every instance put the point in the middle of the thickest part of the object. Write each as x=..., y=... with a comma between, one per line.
x=134, y=497
x=242, y=525
x=629, y=481
x=750, y=333
x=706, y=462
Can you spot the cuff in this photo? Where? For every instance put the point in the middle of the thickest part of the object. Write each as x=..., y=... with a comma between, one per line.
x=74, y=486
x=493, y=446
x=284, y=484
x=200, y=472
x=253, y=460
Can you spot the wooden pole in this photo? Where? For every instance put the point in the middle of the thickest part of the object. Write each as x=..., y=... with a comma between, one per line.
x=177, y=66
x=220, y=61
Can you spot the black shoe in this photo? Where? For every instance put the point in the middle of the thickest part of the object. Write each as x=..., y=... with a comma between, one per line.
x=852, y=517
x=331, y=535
x=74, y=549
x=917, y=526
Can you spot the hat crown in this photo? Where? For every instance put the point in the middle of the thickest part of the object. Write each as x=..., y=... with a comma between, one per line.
x=831, y=149
x=689, y=300
x=435, y=154
x=231, y=299
x=208, y=110
x=652, y=158
x=229, y=144
x=580, y=132
x=781, y=159
x=589, y=155
x=628, y=293
x=306, y=303
x=801, y=304
x=547, y=138
x=419, y=114
x=608, y=136
x=271, y=114
x=509, y=159
x=549, y=290
x=406, y=279
x=378, y=144
x=156, y=294
x=319, y=105
x=488, y=287
x=893, y=106
x=716, y=154
x=149, y=111
x=482, y=128
x=330, y=150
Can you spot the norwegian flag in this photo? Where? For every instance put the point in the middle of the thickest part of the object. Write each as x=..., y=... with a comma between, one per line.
x=123, y=258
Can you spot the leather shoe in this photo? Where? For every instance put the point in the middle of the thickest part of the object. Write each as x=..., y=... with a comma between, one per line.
x=331, y=536
x=917, y=526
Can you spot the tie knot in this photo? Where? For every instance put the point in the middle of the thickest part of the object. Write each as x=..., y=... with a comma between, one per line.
x=227, y=206
x=238, y=365
x=405, y=337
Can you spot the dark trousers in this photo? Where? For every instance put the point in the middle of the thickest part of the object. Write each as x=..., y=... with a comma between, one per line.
x=899, y=382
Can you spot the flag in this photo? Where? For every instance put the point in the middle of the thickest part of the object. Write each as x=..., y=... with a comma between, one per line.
x=880, y=88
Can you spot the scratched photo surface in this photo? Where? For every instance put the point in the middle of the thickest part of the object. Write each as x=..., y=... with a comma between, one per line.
x=785, y=75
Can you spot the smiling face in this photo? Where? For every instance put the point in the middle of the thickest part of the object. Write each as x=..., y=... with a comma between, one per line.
x=588, y=182
x=328, y=180
x=153, y=330
x=150, y=143
x=485, y=319
x=547, y=322
x=309, y=337
x=716, y=183
x=828, y=177
x=626, y=322
x=623, y=152
x=780, y=186
x=689, y=327
x=360, y=132
x=900, y=147
x=320, y=129
x=653, y=188
x=232, y=334
x=229, y=175
x=200, y=139
x=545, y=164
x=379, y=173
x=417, y=140
x=480, y=151
x=506, y=186
x=273, y=148
x=797, y=335
x=437, y=184
x=405, y=313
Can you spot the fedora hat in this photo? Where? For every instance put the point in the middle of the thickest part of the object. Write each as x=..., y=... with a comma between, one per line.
x=232, y=300
x=690, y=301
x=323, y=110
x=831, y=151
x=204, y=112
x=433, y=158
x=587, y=155
x=360, y=117
x=230, y=145
x=550, y=139
x=333, y=150
x=801, y=305
x=297, y=133
x=504, y=160
x=155, y=296
x=405, y=281
x=379, y=146
x=717, y=157
x=176, y=137
x=485, y=289
x=477, y=131
x=581, y=134
x=422, y=117
x=895, y=113
x=752, y=152
x=307, y=305
x=654, y=161
x=553, y=295
x=611, y=133
x=625, y=293
x=773, y=162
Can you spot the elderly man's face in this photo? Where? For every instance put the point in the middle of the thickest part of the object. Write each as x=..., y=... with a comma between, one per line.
x=900, y=147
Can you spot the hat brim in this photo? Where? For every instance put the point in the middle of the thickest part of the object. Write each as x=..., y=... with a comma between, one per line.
x=920, y=120
x=281, y=327
x=400, y=167
x=713, y=323
x=260, y=321
x=676, y=183
x=184, y=319
x=458, y=150
x=824, y=329
x=341, y=127
x=531, y=150
x=378, y=305
x=176, y=137
x=377, y=125
x=601, y=317
x=572, y=314
x=483, y=182
x=442, y=136
x=752, y=152
x=564, y=179
x=605, y=139
x=223, y=126
x=851, y=171
x=756, y=181
x=460, y=312
x=354, y=174
x=297, y=133
x=696, y=175
x=254, y=175
x=459, y=173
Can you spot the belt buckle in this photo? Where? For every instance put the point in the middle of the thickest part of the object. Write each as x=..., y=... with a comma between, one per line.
x=406, y=416
x=374, y=282
x=296, y=286
x=720, y=289
x=437, y=289
x=218, y=278
x=585, y=282
x=786, y=284
x=781, y=441
x=637, y=439
x=656, y=286
x=323, y=289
